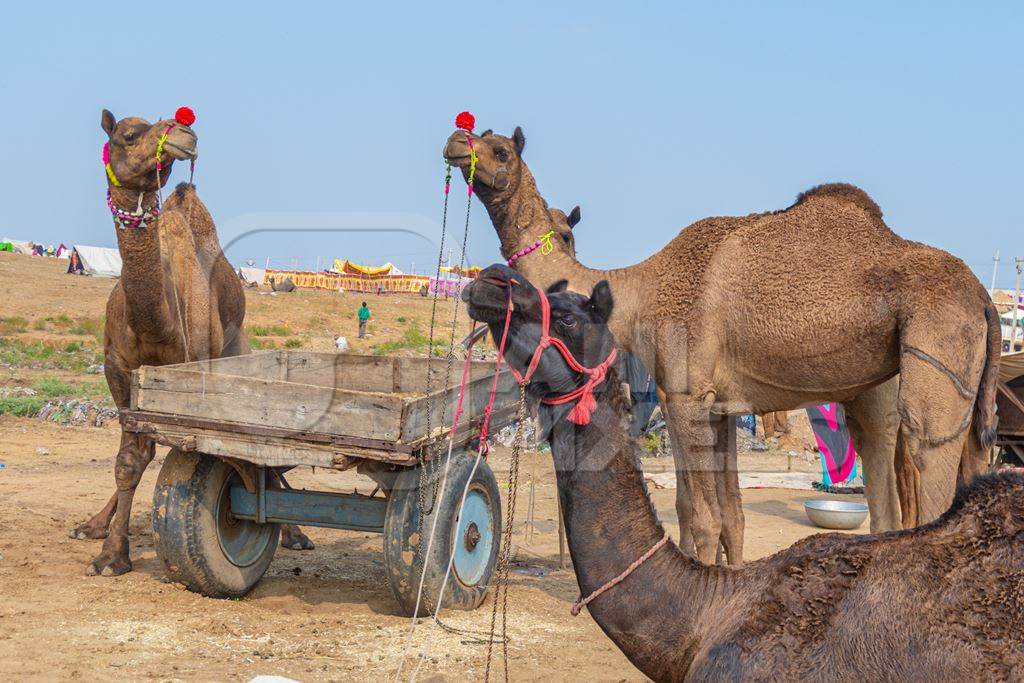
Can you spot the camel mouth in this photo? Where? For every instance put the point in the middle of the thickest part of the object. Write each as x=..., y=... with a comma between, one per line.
x=180, y=153
x=461, y=160
x=486, y=299
x=456, y=150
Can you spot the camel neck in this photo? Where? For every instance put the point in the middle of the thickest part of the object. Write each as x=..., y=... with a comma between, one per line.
x=610, y=522
x=142, y=270
x=520, y=217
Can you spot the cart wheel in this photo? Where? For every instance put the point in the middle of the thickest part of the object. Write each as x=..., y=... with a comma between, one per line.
x=474, y=537
x=198, y=540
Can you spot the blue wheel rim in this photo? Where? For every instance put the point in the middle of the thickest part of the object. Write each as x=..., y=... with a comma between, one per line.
x=474, y=538
x=242, y=541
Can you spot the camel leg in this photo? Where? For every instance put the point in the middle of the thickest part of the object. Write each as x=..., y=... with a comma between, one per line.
x=133, y=457
x=729, y=497
x=684, y=509
x=935, y=408
x=98, y=525
x=873, y=421
x=293, y=538
x=698, y=470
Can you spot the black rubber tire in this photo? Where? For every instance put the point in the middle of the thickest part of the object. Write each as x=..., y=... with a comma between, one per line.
x=401, y=537
x=188, y=518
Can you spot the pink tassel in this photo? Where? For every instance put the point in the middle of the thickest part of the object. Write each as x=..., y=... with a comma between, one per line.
x=580, y=413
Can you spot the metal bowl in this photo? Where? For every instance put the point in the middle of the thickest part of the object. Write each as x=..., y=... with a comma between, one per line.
x=836, y=514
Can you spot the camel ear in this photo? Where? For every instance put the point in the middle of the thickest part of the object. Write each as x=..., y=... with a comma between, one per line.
x=558, y=287
x=601, y=302
x=519, y=139
x=486, y=133
x=108, y=122
x=574, y=217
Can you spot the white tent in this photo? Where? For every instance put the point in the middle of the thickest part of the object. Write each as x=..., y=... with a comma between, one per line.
x=20, y=246
x=252, y=275
x=96, y=261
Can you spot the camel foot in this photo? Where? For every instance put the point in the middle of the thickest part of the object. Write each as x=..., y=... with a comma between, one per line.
x=293, y=539
x=109, y=565
x=87, y=531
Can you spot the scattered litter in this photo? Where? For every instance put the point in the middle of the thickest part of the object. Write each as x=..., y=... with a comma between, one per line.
x=95, y=369
x=262, y=678
x=507, y=434
x=538, y=572
x=662, y=480
x=77, y=412
x=826, y=488
x=2, y=466
x=42, y=451
x=759, y=446
x=6, y=392
x=800, y=481
x=341, y=344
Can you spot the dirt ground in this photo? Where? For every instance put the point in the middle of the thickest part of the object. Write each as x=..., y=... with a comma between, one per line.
x=326, y=614
x=321, y=615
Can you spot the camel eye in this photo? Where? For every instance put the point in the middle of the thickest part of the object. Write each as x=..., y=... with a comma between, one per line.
x=129, y=136
x=567, y=321
x=501, y=154
x=566, y=237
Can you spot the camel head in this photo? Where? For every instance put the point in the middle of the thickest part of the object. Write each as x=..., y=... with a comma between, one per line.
x=580, y=322
x=499, y=159
x=132, y=150
x=562, y=225
x=500, y=174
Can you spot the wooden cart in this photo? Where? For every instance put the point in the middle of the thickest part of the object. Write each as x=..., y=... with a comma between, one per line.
x=1010, y=408
x=236, y=425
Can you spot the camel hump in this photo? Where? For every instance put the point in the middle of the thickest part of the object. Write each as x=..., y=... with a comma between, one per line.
x=185, y=188
x=842, y=192
x=993, y=494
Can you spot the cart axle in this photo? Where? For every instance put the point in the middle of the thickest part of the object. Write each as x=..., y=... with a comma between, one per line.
x=310, y=508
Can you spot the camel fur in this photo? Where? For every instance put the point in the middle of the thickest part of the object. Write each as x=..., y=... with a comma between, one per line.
x=941, y=602
x=178, y=300
x=729, y=317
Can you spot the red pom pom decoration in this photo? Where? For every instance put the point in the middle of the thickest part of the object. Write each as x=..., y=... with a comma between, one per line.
x=465, y=121
x=185, y=116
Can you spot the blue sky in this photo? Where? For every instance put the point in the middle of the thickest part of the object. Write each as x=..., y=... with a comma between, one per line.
x=649, y=116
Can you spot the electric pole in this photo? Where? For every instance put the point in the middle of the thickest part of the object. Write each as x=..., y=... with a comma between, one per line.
x=995, y=267
x=1019, y=262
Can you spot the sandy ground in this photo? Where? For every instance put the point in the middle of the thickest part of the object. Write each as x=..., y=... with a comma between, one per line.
x=321, y=615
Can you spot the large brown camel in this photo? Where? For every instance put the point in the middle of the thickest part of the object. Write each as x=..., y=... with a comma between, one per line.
x=178, y=300
x=732, y=317
x=941, y=602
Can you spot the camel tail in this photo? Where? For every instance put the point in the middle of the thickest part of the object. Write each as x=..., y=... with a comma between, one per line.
x=985, y=418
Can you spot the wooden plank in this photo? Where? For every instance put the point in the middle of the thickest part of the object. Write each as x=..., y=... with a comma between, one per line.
x=265, y=451
x=249, y=400
x=354, y=372
x=412, y=373
x=415, y=419
x=130, y=418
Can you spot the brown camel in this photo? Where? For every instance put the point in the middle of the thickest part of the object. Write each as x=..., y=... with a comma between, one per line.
x=178, y=300
x=941, y=602
x=730, y=319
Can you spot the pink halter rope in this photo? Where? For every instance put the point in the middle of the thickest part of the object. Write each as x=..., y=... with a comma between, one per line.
x=525, y=250
x=584, y=395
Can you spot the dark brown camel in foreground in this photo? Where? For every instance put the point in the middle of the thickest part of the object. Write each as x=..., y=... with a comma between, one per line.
x=178, y=300
x=779, y=310
x=941, y=602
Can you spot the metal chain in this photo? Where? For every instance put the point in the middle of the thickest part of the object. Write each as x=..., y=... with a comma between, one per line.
x=505, y=555
x=426, y=467
x=447, y=386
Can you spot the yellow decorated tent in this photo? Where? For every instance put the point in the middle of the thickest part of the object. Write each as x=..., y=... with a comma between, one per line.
x=346, y=267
